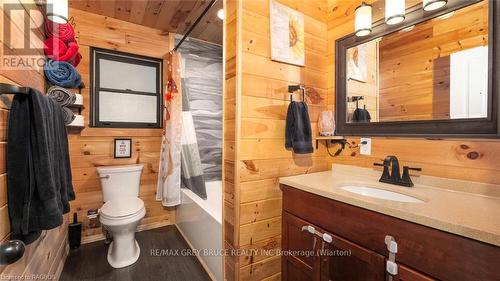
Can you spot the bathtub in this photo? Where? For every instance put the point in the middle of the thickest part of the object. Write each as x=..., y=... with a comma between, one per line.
x=200, y=222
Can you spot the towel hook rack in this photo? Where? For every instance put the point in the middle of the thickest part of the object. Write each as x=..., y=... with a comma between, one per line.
x=294, y=88
x=13, y=89
x=355, y=99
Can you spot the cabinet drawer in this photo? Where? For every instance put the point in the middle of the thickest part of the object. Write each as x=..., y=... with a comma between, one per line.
x=439, y=254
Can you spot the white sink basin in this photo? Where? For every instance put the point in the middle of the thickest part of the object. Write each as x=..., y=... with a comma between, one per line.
x=381, y=194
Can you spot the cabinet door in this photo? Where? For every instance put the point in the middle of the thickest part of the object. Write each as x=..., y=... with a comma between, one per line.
x=407, y=274
x=346, y=261
x=299, y=259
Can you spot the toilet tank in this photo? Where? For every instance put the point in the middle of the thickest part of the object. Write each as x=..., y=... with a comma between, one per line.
x=120, y=181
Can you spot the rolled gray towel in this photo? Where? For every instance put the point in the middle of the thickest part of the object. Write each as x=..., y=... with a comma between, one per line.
x=69, y=116
x=61, y=95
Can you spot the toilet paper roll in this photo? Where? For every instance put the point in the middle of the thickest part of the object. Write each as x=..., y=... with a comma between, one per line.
x=77, y=122
x=78, y=100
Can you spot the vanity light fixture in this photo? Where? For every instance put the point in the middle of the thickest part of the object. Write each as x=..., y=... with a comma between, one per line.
x=363, y=20
x=57, y=11
x=220, y=14
x=431, y=5
x=446, y=16
x=394, y=11
x=408, y=29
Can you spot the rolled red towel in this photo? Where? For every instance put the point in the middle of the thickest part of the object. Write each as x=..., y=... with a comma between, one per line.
x=56, y=49
x=77, y=60
x=63, y=31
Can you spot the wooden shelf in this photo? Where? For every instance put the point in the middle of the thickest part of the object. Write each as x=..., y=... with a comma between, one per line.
x=332, y=139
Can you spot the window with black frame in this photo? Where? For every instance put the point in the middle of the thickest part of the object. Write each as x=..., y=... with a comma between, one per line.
x=126, y=90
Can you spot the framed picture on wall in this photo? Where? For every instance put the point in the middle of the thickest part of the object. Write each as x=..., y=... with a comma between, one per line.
x=287, y=34
x=123, y=148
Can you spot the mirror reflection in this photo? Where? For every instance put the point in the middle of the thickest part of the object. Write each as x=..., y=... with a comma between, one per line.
x=435, y=70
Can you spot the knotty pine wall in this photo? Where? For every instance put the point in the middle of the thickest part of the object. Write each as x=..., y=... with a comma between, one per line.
x=256, y=101
x=466, y=159
x=45, y=256
x=255, y=107
x=93, y=147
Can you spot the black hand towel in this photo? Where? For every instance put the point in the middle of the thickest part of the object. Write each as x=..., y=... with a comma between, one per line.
x=38, y=168
x=361, y=115
x=298, y=135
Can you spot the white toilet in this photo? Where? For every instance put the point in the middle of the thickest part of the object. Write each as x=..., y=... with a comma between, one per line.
x=121, y=212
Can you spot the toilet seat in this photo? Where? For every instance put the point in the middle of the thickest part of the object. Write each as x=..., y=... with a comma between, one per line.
x=122, y=210
x=122, y=207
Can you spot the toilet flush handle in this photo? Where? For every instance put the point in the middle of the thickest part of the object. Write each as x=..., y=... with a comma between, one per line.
x=104, y=177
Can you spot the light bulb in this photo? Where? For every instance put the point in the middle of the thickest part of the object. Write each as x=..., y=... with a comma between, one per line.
x=220, y=14
x=394, y=11
x=431, y=5
x=363, y=20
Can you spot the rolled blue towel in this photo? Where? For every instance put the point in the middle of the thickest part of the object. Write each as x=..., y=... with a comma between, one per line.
x=62, y=74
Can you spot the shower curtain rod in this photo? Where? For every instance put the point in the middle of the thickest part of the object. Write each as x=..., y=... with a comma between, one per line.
x=191, y=28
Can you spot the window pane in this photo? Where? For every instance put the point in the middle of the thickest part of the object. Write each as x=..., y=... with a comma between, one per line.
x=118, y=107
x=123, y=76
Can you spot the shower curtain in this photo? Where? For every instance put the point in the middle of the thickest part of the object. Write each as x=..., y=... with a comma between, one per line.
x=169, y=172
x=191, y=168
x=202, y=76
x=179, y=156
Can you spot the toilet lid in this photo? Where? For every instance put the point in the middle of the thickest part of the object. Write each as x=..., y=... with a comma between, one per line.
x=122, y=207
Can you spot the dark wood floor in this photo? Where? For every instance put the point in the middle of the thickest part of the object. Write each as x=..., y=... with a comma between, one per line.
x=90, y=263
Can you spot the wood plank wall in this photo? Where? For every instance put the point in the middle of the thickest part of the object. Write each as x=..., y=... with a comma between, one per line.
x=46, y=256
x=230, y=111
x=256, y=101
x=465, y=159
x=255, y=109
x=93, y=147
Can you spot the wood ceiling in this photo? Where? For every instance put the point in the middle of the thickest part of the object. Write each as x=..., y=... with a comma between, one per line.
x=168, y=15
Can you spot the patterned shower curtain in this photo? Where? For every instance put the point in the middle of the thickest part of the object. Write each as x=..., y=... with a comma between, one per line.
x=191, y=168
x=169, y=172
x=179, y=157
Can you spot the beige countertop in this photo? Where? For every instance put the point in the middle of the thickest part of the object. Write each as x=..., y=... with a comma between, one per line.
x=464, y=208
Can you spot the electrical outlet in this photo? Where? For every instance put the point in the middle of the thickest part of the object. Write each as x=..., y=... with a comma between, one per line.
x=366, y=149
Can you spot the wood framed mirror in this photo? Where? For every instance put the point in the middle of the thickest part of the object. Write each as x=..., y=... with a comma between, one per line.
x=435, y=75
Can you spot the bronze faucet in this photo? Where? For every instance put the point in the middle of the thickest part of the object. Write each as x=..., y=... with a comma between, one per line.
x=394, y=177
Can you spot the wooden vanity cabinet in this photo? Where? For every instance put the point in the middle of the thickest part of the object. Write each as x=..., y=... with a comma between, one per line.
x=424, y=253
x=309, y=258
